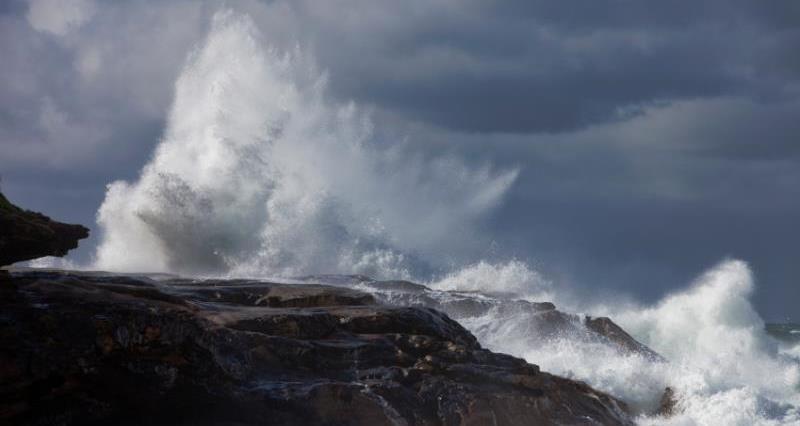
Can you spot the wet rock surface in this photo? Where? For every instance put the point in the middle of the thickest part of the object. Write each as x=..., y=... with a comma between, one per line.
x=81, y=348
x=544, y=322
x=667, y=407
x=616, y=335
x=26, y=235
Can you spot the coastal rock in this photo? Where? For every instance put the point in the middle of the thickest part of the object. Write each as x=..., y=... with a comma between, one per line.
x=26, y=235
x=619, y=337
x=83, y=348
x=543, y=322
x=667, y=407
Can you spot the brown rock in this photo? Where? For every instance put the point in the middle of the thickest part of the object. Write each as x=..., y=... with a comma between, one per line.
x=126, y=350
x=668, y=405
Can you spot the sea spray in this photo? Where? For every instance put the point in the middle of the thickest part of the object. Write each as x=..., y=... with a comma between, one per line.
x=258, y=174
x=721, y=364
x=514, y=277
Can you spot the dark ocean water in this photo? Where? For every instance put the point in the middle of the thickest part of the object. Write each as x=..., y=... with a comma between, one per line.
x=787, y=332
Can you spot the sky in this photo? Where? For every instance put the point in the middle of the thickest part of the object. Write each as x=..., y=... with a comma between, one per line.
x=653, y=139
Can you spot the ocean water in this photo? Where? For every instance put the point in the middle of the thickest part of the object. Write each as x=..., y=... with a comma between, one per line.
x=258, y=174
x=788, y=332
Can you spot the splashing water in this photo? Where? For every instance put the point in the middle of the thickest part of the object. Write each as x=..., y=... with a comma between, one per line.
x=514, y=277
x=721, y=364
x=258, y=174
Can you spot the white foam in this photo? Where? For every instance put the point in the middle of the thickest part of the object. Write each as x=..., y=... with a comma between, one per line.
x=722, y=366
x=514, y=277
x=258, y=174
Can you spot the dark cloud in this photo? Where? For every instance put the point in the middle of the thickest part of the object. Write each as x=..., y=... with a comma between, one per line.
x=549, y=66
x=654, y=138
x=13, y=7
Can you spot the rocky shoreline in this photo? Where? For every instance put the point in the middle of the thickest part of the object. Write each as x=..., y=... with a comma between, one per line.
x=95, y=348
x=81, y=348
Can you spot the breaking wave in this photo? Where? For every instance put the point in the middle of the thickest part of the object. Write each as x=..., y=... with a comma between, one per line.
x=721, y=364
x=259, y=175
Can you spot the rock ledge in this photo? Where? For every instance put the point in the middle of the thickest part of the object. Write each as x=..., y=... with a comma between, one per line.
x=26, y=235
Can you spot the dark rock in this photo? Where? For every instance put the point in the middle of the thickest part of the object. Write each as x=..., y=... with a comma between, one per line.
x=26, y=235
x=541, y=321
x=99, y=349
x=260, y=293
x=668, y=404
x=614, y=333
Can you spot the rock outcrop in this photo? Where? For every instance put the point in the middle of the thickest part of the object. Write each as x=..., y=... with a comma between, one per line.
x=81, y=348
x=26, y=235
x=541, y=321
x=614, y=334
x=667, y=407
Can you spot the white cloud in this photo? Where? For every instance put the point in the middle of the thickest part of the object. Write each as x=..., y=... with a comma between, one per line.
x=59, y=17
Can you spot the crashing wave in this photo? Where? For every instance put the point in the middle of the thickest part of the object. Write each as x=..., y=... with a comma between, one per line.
x=258, y=174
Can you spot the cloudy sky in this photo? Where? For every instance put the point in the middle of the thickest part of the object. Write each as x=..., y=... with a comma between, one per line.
x=653, y=139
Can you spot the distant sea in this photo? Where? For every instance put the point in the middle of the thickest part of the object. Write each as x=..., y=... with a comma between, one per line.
x=788, y=332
